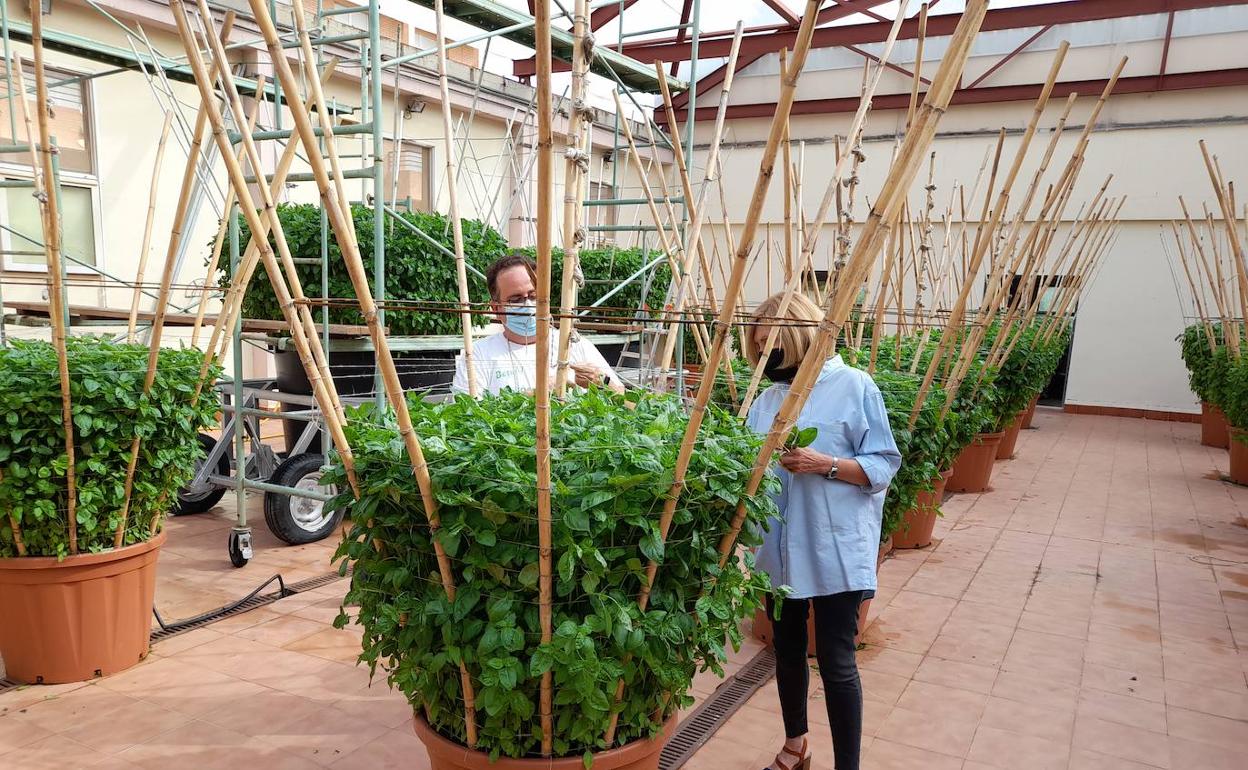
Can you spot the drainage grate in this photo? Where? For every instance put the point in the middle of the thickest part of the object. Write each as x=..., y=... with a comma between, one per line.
x=8, y=684
x=696, y=729
x=250, y=602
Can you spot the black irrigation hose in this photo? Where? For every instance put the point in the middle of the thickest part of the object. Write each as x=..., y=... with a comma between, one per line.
x=176, y=625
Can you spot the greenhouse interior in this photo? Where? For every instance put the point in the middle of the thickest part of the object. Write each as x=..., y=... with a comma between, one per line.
x=895, y=412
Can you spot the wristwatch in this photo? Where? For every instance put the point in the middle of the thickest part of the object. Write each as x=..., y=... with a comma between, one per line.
x=831, y=474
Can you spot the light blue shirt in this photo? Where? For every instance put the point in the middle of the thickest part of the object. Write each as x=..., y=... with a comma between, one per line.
x=828, y=537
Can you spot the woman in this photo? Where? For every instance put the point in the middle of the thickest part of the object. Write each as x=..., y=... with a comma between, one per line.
x=825, y=545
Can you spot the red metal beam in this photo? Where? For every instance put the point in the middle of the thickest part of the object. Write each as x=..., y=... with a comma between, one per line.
x=937, y=26
x=685, y=11
x=603, y=15
x=1165, y=49
x=839, y=11
x=1001, y=62
x=890, y=65
x=783, y=11
x=1178, y=81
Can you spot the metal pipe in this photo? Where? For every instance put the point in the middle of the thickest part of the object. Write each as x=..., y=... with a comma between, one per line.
x=422, y=53
x=350, y=173
x=647, y=267
x=430, y=240
x=348, y=130
x=329, y=39
x=379, y=188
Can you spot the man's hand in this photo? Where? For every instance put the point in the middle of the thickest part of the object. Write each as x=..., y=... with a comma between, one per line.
x=806, y=460
x=587, y=374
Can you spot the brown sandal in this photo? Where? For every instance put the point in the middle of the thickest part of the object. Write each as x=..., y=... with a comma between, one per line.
x=801, y=759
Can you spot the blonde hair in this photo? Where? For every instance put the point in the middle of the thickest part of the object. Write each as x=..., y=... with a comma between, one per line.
x=794, y=340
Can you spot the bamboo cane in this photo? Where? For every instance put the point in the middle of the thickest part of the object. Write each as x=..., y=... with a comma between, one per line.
x=146, y=246
x=731, y=295
x=1197, y=290
x=959, y=304
x=915, y=146
x=697, y=206
x=344, y=231
x=457, y=227
x=1227, y=206
x=786, y=145
x=575, y=167
x=218, y=242
x=238, y=181
x=1219, y=295
x=918, y=64
x=854, y=140
x=545, y=193
x=46, y=193
x=990, y=306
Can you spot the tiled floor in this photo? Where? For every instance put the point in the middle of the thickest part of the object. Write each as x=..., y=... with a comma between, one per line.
x=1087, y=613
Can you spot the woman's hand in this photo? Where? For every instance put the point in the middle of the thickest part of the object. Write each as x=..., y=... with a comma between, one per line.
x=806, y=460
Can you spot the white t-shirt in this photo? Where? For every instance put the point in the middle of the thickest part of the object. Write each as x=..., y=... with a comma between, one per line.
x=500, y=363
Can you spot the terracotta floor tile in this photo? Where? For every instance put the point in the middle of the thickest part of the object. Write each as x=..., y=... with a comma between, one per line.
x=1189, y=754
x=329, y=643
x=324, y=735
x=885, y=688
x=1232, y=705
x=1082, y=759
x=1061, y=625
x=397, y=749
x=942, y=733
x=1001, y=748
x=1123, y=709
x=16, y=732
x=116, y=729
x=1121, y=682
x=281, y=630
x=54, y=752
x=952, y=673
x=1133, y=743
x=888, y=661
x=195, y=744
x=56, y=714
x=175, y=644
x=1207, y=728
x=1027, y=719
x=928, y=698
x=261, y=713
x=1027, y=688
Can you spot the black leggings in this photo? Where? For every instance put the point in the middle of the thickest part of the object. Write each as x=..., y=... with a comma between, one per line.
x=836, y=624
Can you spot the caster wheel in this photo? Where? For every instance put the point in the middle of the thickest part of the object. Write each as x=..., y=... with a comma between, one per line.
x=240, y=548
x=201, y=497
x=299, y=520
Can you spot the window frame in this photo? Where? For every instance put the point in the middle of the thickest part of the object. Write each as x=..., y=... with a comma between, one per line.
x=87, y=180
x=426, y=170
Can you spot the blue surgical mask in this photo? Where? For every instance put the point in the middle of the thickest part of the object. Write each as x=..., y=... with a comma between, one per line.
x=522, y=319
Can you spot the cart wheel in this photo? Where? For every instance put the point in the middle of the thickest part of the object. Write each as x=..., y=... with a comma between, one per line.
x=297, y=520
x=240, y=553
x=201, y=497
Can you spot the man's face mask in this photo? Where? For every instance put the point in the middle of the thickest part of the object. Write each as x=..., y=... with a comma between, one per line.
x=774, y=370
x=521, y=319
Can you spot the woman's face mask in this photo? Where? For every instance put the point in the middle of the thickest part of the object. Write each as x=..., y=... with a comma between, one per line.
x=521, y=319
x=774, y=370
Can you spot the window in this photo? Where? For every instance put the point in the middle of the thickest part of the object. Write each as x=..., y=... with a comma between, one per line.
x=413, y=191
x=21, y=230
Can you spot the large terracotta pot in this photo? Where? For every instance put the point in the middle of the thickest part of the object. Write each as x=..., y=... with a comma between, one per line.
x=973, y=469
x=916, y=527
x=1009, y=439
x=445, y=754
x=1239, y=455
x=80, y=617
x=1030, y=413
x=1213, y=427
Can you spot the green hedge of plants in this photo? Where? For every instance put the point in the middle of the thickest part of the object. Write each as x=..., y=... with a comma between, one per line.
x=611, y=469
x=1207, y=371
x=416, y=270
x=109, y=410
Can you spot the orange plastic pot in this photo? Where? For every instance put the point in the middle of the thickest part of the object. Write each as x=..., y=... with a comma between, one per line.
x=973, y=469
x=1239, y=455
x=77, y=618
x=445, y=754
x=1009, y=439
x=918, y=523
x=1213, y=427
x=1030, y=413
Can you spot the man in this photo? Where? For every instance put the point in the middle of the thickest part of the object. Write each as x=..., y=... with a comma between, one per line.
x=508, y=359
